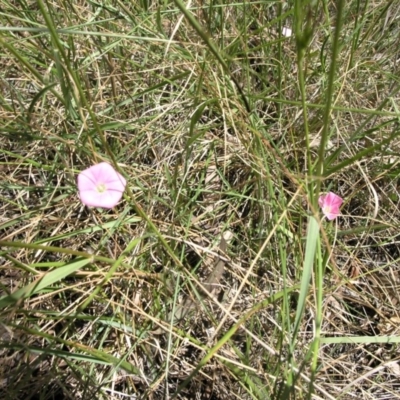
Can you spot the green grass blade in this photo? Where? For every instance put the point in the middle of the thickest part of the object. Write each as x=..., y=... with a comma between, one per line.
x=43, y=282
x=311, y=245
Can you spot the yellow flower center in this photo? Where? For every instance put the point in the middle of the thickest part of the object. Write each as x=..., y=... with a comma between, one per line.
x=101, y=188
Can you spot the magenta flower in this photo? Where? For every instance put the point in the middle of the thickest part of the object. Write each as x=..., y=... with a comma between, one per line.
x=330, y=204
x=101, y=186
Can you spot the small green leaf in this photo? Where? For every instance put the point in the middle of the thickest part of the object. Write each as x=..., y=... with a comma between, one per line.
x=43, y=282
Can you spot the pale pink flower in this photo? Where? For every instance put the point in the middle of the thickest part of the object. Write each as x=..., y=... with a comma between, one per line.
x=101, y=186
x=286, y=31
x=330, y=204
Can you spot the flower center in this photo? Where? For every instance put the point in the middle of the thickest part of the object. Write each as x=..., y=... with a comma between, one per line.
x=327, y=209
x=101, y=188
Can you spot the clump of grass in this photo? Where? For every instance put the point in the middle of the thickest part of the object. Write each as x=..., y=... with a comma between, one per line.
x=215, y=277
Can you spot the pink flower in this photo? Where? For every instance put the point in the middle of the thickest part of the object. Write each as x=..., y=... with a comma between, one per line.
x=330, y=204
x=101, y=186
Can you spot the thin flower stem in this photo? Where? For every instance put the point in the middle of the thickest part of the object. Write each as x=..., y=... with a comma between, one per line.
x=329, y=98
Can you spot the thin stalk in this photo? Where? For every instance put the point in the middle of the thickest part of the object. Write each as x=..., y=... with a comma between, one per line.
x=329, y=99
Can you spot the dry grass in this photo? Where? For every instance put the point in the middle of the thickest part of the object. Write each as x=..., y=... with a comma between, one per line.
x=161, y=305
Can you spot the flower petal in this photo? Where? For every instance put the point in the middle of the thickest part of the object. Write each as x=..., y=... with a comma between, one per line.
x=333, y=199
x=107, y=199
x=332, y=214
x=286, y=31
x=321, y=200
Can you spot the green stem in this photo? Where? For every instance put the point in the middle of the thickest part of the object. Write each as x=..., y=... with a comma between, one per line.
x=329, y=99
x=214, y=49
